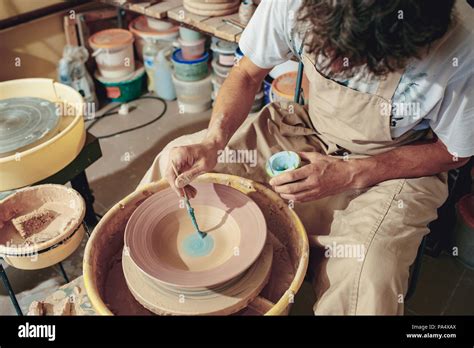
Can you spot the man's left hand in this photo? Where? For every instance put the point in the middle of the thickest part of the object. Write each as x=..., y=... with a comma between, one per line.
x=323, y=176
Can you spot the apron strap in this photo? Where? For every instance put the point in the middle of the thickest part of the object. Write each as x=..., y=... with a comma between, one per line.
x=299, y=78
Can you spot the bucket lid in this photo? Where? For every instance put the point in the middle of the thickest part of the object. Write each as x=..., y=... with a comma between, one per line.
x=178, y=58
x=110, y=38
x=224, y=47
x=285, y=84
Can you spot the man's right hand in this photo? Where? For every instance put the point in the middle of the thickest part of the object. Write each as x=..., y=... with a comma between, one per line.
x=190, y=161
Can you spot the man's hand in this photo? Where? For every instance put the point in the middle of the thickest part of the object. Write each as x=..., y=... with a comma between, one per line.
x=323, y=176
x=326, y=176
x=190, y=162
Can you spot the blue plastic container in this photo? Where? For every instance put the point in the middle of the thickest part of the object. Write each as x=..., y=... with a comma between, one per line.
x=190, y=70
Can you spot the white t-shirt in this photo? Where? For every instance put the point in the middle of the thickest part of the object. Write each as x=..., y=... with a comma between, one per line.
x=434, y=92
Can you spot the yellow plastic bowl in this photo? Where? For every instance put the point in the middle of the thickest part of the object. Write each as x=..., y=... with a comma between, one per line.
x=49, y=252
x=37, y=163
x=48, y=257
x=107, y=237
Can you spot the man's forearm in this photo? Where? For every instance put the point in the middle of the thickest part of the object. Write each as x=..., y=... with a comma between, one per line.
x=234, y=102
x=410, y=161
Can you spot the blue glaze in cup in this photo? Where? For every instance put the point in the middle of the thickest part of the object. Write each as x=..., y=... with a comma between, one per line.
x=281, y=162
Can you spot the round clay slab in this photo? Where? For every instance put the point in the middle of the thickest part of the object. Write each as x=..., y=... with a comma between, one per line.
x=225, y=299
x=24, y=121
x=157, y=230
x=206, y=9
x=212, y=6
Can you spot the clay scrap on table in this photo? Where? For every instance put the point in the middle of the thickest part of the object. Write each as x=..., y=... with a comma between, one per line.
x=37, y=226
x=64, y=308
x=36, y=308
x=34, y=222
x=41, y=308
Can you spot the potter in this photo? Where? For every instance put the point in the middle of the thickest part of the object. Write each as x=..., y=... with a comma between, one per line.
x=380, y=125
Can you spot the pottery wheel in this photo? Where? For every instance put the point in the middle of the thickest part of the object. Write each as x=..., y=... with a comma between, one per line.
x=162, y=242
x=24, y=121
x=225, y=299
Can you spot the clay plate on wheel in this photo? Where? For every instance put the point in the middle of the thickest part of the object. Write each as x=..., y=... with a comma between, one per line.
x=156, y=233
x=224, y=299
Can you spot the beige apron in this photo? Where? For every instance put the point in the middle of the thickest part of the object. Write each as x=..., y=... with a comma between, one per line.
x=363, y=241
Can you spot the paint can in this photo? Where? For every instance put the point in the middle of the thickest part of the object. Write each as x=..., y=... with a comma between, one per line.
x=113, y=52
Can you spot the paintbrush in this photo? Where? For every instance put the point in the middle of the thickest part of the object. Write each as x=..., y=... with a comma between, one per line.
x=189, y=208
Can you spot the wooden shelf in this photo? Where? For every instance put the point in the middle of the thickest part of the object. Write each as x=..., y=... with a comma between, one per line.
x=174, y=11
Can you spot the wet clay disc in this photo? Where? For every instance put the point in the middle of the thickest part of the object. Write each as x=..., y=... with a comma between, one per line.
x=228, y=298
x=211, y=1
x=214, y=9
x=160, y=236
x=204, y=5
x=24, y=121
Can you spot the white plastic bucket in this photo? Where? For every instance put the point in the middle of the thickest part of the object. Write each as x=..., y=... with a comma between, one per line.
x=113, y=52
x=193, y=96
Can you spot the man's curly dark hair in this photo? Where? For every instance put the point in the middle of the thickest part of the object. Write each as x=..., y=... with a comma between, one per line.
x=381, y=34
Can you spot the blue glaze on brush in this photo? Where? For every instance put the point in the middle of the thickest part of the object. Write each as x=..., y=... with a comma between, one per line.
x=199, y=243
x=193, y=219
x=196, y=246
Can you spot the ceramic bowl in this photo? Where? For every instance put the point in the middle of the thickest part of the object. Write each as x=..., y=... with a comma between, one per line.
x=159, y=230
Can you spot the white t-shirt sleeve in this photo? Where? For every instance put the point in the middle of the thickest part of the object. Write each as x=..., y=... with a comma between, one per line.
x=265, y=39
x=454, y=122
